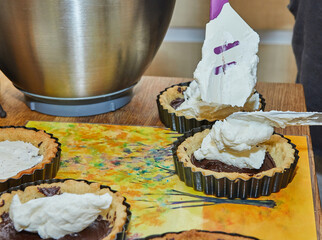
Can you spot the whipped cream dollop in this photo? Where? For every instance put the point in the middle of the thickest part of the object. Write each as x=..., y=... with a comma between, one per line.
x=16, y=156
x=235, y=140
x=58, y=215
x=226, y=74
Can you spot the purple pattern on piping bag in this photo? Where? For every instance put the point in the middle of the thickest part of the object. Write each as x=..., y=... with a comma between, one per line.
x=215, y=7
x=225, y=47
x=223, y=67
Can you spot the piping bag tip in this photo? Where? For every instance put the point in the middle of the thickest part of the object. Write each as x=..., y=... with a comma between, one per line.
x=216, y=7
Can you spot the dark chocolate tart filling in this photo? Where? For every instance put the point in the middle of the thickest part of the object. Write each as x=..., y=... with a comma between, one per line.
x=218, y=166
x=176, y=102
x=97, y=230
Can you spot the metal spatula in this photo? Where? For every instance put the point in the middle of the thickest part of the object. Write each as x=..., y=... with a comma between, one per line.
x=280, y=118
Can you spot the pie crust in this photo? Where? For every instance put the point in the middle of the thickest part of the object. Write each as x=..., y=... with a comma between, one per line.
x=177, y=121
x=277, y=146
x=199, y=235
x=117, y=214
x=48, y=146
x=233, y=184
x=221, y=112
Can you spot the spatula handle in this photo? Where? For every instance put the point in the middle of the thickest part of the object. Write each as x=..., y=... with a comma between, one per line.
x=215, y=7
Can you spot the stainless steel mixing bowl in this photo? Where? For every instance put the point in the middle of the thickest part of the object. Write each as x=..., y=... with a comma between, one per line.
x=79, y=52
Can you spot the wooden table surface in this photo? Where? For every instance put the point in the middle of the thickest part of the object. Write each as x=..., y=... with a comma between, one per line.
x=142, y=110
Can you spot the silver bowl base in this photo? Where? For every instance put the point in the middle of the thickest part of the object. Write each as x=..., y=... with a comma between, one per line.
x=78, y=107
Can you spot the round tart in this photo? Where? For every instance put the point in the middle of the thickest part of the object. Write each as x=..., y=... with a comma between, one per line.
x=171, y=97
x=110, y=224
x=48, y=146
x=199, y=234
x=232, y=183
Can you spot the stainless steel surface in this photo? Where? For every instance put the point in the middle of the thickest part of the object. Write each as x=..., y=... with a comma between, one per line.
x=276, y=117
x=71, y=107
x=317, y=117
x=80, y=48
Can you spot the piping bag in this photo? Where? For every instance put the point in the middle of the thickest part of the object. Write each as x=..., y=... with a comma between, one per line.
x=229, y=62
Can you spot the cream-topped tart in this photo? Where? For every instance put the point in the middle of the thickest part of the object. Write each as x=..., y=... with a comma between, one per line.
x=63, y=209
x=16, y=156
x=27, y=154
x=278, y=155
x=170, y=100
x=241, y=154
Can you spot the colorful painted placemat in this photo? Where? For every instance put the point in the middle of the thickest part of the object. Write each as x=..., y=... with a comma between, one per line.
x=138, y=162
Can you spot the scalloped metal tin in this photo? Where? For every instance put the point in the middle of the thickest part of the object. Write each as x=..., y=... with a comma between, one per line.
x=49, y=171
x=151, y=237
x=119, y=236
x=237, y=188
x=182, y=124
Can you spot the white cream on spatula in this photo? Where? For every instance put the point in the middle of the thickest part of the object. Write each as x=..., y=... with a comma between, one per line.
x=234, y=140
x=226, y=74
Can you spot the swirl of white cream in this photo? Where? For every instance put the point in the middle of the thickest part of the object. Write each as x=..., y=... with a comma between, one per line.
x=240, y=135
x=233, y=142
